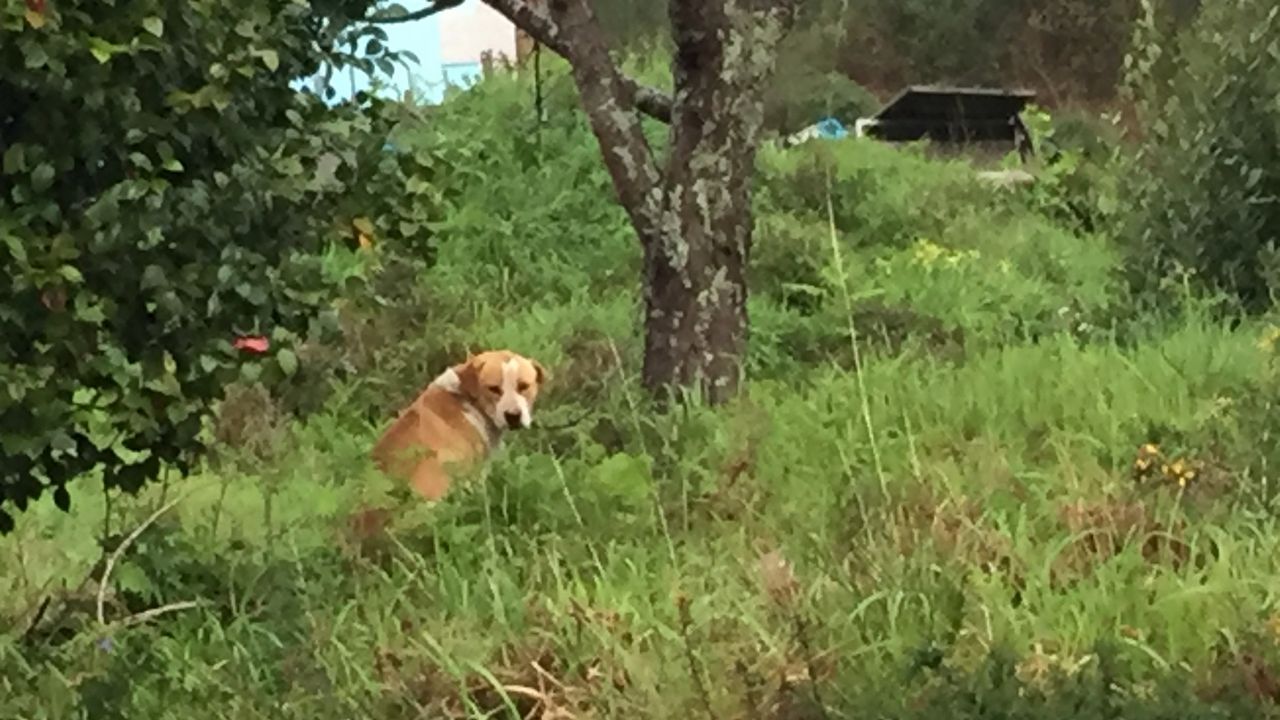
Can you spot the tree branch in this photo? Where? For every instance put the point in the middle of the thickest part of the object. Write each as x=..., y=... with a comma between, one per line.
x=569, y=27
x=124, y=545
x=431, y=9
x=534, y=17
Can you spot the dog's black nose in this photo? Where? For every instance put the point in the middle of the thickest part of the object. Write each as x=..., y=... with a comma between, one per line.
x=513, y=419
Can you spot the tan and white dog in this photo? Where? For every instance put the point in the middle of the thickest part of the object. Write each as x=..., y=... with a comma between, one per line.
x=459, y=419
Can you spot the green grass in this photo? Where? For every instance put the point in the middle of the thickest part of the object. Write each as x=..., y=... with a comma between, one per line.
x=964, y=532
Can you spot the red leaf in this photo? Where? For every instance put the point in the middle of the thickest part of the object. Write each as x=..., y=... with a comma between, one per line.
x=36, y=6
x=254, y=343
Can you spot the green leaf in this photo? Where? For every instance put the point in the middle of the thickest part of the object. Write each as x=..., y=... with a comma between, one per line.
x=34, y=55
x=62, y=442
x=246, y=29
x=140, y=160
x=270, y=58
x=289, y=165
x=154, y=25
x=165, y=385
x=42, y=177
x=15, y=159
x=153, y=277
x=417, y=186
x=250, y=372
x=128, y=577
x=103, y=212
x=288, y=362
x=173, y=165
x=16, y=250
x=102, y=50
x=71, y=274
x=91, y=314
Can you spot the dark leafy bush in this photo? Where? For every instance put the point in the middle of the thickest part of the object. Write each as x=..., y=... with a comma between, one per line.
x=1212, y=204
x=163, y=191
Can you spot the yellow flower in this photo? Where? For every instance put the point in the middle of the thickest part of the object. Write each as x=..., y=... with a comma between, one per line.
x=1273, y=625
x=1269, y=338
x=926, y=252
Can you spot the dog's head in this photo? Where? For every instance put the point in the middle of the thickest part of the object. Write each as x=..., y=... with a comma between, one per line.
x=502, y=385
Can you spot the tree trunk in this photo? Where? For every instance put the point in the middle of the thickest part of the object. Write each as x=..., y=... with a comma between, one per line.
x=694, y=217
x=696, y=324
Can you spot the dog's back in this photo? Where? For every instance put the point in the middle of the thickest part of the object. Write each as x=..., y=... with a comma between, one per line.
x=432, y=432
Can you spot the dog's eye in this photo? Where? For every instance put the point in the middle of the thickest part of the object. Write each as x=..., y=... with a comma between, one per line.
x=522, y=387
x=495, y=389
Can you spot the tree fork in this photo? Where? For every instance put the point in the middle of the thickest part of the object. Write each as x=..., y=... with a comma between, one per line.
x=694, y=216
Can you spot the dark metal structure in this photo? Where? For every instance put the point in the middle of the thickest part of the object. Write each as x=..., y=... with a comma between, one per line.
x=951, y=115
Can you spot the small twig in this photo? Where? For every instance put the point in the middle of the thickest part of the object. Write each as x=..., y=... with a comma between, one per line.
x=542, y=688
x=37, y=617
x=155, y=612
x=569, y=424
x=524, y=691
x=543, y=674
x=119, y=551
x=438, y=6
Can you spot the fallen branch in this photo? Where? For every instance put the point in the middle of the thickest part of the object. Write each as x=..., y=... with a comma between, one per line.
x=153, y=613
x=119, y=551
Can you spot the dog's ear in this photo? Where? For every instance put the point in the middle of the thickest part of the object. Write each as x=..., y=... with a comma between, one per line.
x=468, y=374
x=541, y=372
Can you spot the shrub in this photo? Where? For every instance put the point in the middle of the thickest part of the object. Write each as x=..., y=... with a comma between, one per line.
x=1080, y=170
x=1212, y=203
x=164, y=190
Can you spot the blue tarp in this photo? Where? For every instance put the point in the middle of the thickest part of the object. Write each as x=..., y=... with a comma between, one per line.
x=831, y=128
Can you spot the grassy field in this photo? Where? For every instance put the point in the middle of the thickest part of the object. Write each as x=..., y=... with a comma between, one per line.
x=970, y=477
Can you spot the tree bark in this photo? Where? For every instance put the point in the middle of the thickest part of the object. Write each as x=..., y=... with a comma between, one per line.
x=695, y=274
x=694, y=217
